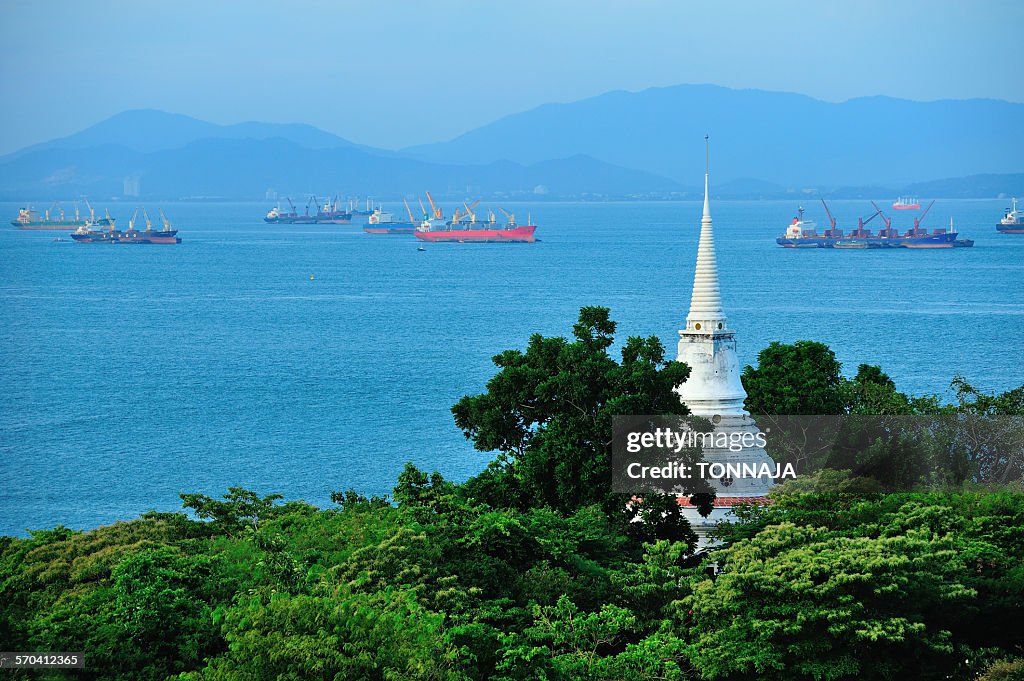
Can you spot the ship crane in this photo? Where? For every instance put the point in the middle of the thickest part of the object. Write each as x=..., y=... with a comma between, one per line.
x=131, y=222
x=92, y=213
x=292, y=205
x=438, y=213
x=423, y=208
x=469, y=210
x=167, y=223
x=149, y=224
x=511, y=216
x=409, y=211
x=861, y=222
x=831, y=219
x=917, y=221
x=887, y=221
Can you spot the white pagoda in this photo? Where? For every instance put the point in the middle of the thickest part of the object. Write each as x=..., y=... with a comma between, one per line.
x=714, y=390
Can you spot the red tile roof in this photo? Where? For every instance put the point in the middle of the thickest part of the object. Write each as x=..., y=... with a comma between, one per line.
x=726, y=502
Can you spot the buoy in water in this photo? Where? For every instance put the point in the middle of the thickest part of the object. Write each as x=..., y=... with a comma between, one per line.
x=311, y=277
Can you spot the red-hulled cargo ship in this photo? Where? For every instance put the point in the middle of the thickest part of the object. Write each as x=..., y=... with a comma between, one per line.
x=468, y=230
x=906, y=203
x=457, y=233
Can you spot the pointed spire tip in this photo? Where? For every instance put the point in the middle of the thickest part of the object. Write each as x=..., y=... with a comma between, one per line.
x=707, y=165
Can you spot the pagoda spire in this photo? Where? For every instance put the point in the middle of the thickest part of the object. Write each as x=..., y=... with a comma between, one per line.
x=713, y=388
x=706, y=314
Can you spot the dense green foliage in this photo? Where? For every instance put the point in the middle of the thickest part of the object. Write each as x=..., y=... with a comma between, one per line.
x=521, y=574
x=548, y=413
x=882, y=438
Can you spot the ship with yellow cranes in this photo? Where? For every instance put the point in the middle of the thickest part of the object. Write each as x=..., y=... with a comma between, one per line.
x=54, y=217
x=167, y=235
x=463, y=227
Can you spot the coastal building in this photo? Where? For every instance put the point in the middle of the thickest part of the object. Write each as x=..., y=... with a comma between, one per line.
x=131, y=186
x=714, y=390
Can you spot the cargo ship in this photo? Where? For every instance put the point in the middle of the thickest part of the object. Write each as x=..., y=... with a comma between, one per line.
x=276, y=216
x=329, y=213
x=1013, y=221
x=86, y=235
x=384, y=222
x=32, y=219
x=906, y=203
x=468, y=230
x=505, y=234
x=358, y=214
x=803, y=233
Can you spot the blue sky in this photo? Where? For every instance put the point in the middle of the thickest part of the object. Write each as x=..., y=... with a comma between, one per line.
x=392, y=74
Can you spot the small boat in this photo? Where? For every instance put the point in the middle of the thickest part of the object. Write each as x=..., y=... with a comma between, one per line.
x=1013, y=221
x=906, y=203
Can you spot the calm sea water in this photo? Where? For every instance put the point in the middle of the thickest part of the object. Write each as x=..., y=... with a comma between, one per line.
x=311, y=358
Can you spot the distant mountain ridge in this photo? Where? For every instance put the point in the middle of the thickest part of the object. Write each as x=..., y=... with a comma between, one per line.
x=148, y=130
x=247, y=168
x=782, y=137
x=620, y=145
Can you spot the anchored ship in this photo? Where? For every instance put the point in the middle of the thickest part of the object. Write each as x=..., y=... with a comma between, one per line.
x=802, y=233
x=55, y=218
x=505, y=234
x=86, y=235
x=464, y=229
x=383, y=222
x=329, y=213
x=276, y=216
x=1013, y=221
x=906, y=203
x=363, y=214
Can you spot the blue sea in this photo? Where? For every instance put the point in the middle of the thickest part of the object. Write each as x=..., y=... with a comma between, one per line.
x=311, y=358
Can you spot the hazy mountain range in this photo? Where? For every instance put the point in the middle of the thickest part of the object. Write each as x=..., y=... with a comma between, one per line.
x=617, y=145
x=173, y=156
x=785, y=138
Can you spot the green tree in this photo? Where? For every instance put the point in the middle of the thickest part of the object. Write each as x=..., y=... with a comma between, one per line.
x=800, y=603
x=955, y=544
x=378, y=636
x=241, y=509
x=548, y=412
x=801, y=378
